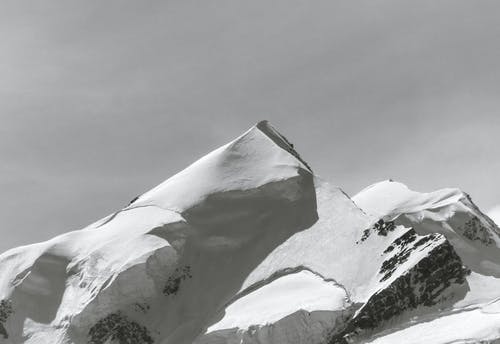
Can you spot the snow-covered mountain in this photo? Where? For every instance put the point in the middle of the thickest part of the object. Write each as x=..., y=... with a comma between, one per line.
x=248, y=246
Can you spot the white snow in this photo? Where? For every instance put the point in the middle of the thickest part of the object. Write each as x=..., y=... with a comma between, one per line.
x=303, y=290
x=389, y=197
x=483, y=289
x=445, y=211
x=466, y=326
x=494, y=214
x=245, y=246
x=214, y=223
x=250, y=160
x=329, y=246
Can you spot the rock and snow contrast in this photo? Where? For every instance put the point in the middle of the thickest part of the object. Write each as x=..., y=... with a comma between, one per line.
x=248, y=246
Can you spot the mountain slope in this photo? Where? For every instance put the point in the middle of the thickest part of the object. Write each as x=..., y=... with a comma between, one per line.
x=247, y=246
x=186, y=246
x=475, y=239
x=449, y=212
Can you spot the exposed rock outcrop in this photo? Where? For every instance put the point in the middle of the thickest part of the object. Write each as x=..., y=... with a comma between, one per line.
x=436, y=279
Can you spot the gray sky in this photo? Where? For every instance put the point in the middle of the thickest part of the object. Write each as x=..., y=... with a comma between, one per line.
x=101, y=100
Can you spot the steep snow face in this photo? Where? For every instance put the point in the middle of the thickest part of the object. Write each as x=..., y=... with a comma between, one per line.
x=307, y=270
x=258, y=157
x=302, y=290
x=449, y=212
x=159, y=269
x=384, y=271
x=328, y=246
x=344, y=236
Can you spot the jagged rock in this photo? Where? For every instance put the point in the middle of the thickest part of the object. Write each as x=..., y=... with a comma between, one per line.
x=380, y=227
x=474, y=229
x=117, y=327
x=5, y=312
x=424, y=285
x=174, y=281
x=247, y=246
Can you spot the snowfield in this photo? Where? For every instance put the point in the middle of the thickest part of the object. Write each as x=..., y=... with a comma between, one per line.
x=480, y=325
x=301, y=290
x=248, y=246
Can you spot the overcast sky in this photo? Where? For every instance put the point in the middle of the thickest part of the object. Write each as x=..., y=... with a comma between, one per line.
x=101, y=100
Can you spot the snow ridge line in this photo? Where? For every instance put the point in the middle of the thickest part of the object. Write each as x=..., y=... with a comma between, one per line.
x=278, y=274
x=116, y=213
x=281, y=141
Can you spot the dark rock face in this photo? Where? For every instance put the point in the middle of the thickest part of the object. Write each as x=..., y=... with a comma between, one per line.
x=133, y=200
x=423, y=285
x=5, y=312
x=380, y=227
x=474, y=230
x=404, y=246
x=117, y=327
x=174, y=282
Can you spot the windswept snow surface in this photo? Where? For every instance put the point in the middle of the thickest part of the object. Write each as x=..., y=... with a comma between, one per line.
x=390, y=197
x=302, y=290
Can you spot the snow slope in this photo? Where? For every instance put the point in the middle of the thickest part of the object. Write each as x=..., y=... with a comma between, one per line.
x=247, y=246
x=450, y=212
x=363, y=256
x=475, y=238
x=302, y=290
x=476, y=325
x=186, y=246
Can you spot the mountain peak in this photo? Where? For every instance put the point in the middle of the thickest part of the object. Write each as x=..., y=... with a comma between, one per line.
x=259, y=156
x=389, y=196
x=271, y=132
x=159, y=270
